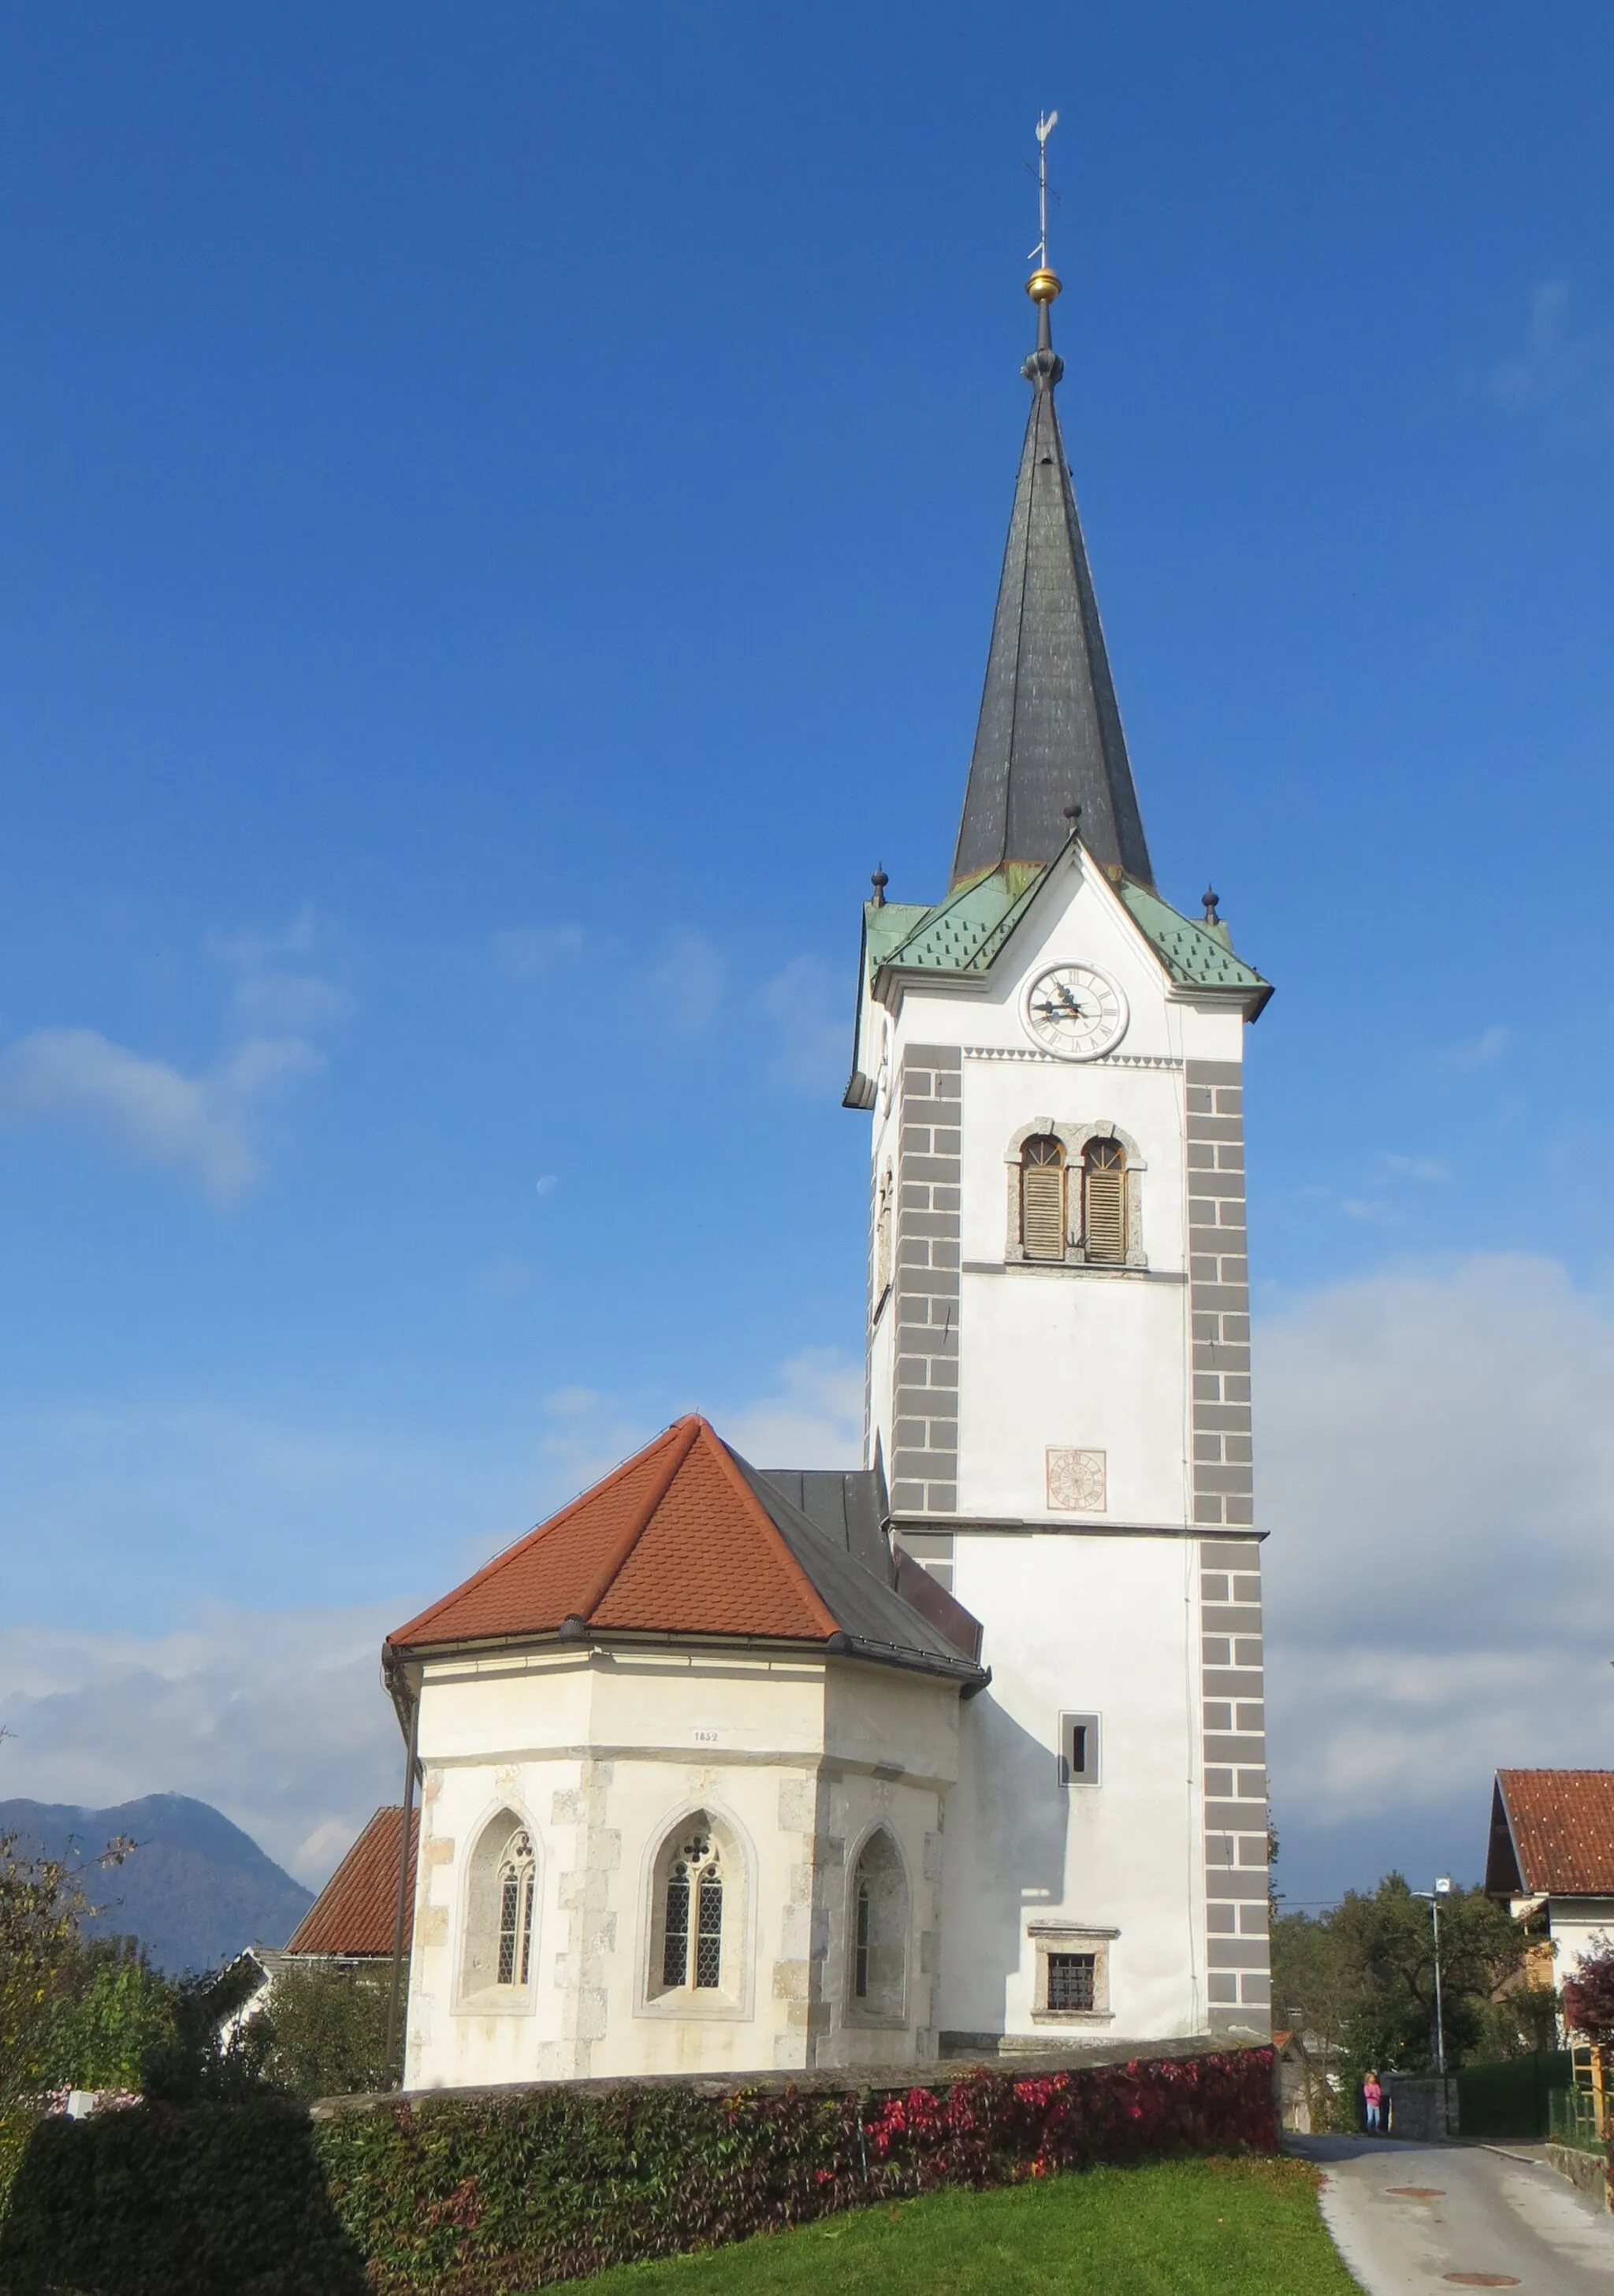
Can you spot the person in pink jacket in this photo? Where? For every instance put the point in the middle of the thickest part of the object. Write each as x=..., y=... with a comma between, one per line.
x=1372, y=2098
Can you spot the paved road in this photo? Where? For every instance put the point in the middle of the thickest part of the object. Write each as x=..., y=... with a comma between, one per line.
x=1424, y=2219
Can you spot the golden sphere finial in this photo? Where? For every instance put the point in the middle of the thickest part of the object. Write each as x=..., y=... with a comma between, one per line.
x=1042, y=285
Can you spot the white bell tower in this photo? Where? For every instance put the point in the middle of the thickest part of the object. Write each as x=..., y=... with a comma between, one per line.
x=1058, y=1346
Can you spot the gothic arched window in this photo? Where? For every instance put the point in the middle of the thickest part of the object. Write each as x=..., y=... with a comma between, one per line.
x=1104, y=1200
x=692, y=1911
x=879, y=1929
x=1042, y=1198
x=500, y=1911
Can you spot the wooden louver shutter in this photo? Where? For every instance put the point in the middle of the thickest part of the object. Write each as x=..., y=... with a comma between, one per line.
x=1043, y=1201
x=1105, y=1223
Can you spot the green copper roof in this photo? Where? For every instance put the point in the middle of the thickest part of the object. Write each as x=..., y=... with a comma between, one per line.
x=963, y=934
x=1199, y=954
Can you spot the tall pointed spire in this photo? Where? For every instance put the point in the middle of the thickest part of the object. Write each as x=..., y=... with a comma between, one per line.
x=1050, y=732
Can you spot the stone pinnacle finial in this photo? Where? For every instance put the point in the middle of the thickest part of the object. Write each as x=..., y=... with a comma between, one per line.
x=879, y=881
x=1073, y=814
x=1210, y=897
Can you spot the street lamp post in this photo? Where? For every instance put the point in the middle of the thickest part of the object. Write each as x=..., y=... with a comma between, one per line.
x=1442, y=1889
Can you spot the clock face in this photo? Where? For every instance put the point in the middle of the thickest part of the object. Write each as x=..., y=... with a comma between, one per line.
x=1076, y=1013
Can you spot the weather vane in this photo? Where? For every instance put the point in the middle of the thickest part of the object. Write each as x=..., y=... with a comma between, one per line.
x=1047, y=121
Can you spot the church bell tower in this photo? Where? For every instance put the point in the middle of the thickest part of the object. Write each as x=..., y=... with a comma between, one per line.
x=1058, y=1367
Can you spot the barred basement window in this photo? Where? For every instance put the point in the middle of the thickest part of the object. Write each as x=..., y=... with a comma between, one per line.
x=1104, y=1200
x=516, y=1912
x=1042, y=1198
x=1071, y=1980
x=692, y=1954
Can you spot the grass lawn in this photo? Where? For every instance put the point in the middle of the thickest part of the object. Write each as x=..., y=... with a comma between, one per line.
x=1174, y=2228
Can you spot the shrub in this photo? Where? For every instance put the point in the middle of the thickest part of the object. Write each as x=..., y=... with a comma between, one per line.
x=470, y=2195
x=462, y=2197
x=328, y=2031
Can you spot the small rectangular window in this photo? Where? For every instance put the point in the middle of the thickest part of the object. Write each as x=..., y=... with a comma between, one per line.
x=1078, y=1749
x=1071, y=1980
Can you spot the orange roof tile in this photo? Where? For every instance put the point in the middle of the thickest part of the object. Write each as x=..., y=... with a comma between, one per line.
x=674, y=1541
x=1560, y=1825
x=357, y=1911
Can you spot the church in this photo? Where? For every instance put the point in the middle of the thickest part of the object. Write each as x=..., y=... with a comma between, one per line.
x=732, y=1767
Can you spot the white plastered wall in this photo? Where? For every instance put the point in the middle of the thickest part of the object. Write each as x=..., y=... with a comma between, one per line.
x=602, y=1755
x=1082, y=1611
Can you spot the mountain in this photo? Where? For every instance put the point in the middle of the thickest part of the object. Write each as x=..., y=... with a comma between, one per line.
x=195, y=1891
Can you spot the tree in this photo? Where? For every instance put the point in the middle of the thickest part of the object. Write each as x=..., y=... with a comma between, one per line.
x=329, y=2031
x=1361, y=1978
x=45, y=1965
x=1588, y=1999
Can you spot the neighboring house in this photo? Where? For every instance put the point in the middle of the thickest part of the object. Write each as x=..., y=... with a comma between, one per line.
x=1308, y=2080
x=727, y=1769
x=1552, y=1860
x=355, y=1916
x=353, y=1923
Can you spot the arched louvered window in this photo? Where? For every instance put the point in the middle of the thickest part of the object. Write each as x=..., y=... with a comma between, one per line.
x=1042, y=1198
x=1104, y=1204
x=692, y=1936
x=515, y=1911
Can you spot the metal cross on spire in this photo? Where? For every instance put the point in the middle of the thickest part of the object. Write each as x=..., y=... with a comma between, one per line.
x=1047, y=121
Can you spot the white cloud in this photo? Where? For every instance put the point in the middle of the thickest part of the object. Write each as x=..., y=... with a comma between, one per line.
x=525, y=951
x=545, y=1183
x=1559, y=368
x=197, y=1123
x=1479, y=1052
x=814, y=1419
x=277, y=1718
x=683, y=990
x=807, y=1005
x=1437, y=1463
x=206, y=1123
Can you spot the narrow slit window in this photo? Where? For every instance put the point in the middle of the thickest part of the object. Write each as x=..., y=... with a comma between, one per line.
x=1042, y=1198
x=861, y=1956
x=1104, y=1188
x=1072, y=1980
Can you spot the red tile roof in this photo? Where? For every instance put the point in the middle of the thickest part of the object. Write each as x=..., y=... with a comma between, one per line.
x=675, y=1541
x=357, y=1911
x=1552, y=1831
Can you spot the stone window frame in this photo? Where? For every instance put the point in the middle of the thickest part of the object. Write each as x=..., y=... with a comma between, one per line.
x=856, y=2011
x=732, y=2001
x=504, y=1819
x=1074, y=1139
x=1050, y=1937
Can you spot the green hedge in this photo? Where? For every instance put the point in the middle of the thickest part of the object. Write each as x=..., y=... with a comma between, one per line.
x=471, y=2196
x=1508, y=2098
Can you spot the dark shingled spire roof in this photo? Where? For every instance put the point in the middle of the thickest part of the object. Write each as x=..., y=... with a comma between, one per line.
x=1050, y=735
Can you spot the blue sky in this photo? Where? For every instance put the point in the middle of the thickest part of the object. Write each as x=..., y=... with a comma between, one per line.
x=499, y=512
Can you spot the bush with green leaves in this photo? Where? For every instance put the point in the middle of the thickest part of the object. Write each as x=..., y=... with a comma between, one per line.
x=327, y=2027
x=481, y=2195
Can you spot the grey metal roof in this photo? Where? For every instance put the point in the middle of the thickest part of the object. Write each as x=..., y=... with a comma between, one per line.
x=847, y=1506
x=865, y=1604
x=1050, y=732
